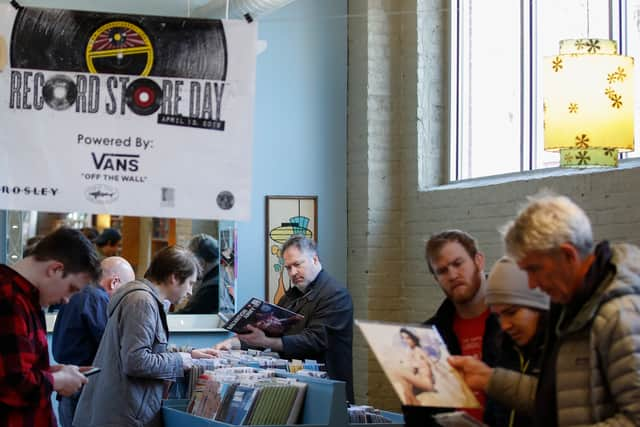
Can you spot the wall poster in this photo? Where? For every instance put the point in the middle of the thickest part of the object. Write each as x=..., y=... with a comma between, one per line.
x=285, y=217
x=126, y=114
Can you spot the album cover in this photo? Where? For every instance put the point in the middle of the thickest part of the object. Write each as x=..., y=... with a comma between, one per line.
x=240, y=404
x=457, y=419
x=272, y=319
x=414, y=359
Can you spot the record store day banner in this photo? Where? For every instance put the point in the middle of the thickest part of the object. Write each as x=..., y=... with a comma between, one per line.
x=126, y=114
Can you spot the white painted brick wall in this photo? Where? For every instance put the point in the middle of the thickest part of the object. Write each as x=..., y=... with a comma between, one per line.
x=394, y=77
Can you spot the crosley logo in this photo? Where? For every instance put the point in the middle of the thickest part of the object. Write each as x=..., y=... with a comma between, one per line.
x=101, y=194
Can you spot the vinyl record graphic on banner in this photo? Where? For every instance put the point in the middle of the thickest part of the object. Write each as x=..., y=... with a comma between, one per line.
x=77, y=41
x=143, y=97
x=59, y=92
x=119, y=47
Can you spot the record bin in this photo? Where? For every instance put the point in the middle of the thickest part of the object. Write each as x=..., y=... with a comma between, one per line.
x=324, y=406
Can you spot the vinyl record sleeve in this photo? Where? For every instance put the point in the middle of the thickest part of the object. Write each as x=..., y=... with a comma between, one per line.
x=414, y=359
x=271, y=318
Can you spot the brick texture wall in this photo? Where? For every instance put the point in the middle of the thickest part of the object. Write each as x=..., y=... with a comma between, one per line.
x=397, y=156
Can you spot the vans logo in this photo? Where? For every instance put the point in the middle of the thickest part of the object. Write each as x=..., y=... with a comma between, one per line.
x=116, y=162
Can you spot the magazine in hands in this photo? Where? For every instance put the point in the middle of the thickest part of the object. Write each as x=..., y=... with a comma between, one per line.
x=272, y=319
x=414, y=359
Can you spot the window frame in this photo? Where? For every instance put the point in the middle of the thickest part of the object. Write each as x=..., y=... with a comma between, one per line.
x=531, y=116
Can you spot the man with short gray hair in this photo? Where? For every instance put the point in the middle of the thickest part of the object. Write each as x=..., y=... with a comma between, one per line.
x=80, y=324
x=591, y=363
x=326, y=333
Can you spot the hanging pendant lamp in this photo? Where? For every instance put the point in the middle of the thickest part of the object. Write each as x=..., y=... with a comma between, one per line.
x=588, y=103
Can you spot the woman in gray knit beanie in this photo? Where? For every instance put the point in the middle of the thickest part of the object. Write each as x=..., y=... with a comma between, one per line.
x=517, y=306
x=522, y=313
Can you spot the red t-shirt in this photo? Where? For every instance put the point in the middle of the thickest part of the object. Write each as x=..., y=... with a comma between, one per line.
x=470, y=333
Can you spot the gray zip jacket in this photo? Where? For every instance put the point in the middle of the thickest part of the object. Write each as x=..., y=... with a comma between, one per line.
x=134, y=360
x=598, y=363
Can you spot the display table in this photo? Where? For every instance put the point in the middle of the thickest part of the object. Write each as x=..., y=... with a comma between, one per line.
x=324, y=406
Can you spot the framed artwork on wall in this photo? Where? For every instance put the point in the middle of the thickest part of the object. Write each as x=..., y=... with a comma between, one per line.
x=285, y=216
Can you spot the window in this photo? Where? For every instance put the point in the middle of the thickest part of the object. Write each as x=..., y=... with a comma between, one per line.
x=496, y=94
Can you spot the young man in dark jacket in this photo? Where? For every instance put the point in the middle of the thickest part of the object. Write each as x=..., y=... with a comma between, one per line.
x=463, y=320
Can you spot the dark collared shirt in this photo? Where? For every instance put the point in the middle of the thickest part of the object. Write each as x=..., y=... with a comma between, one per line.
x=79, y=327
x=26, y=383
x=326, y=333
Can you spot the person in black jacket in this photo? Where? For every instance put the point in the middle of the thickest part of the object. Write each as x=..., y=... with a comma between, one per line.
x=464, y=320
x=205, y=297
x=522, y=313
x=326, y=332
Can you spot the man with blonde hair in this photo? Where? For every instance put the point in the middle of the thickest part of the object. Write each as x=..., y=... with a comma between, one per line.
x=591, y=363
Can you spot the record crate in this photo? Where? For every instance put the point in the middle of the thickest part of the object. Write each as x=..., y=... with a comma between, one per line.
x=324, y=406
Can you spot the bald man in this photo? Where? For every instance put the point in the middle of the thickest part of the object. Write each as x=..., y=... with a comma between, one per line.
x=80, y=324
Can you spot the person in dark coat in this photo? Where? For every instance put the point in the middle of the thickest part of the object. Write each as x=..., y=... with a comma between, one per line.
x=108, y=243
x=464, y=320
x=326, y=332
x=205, y=297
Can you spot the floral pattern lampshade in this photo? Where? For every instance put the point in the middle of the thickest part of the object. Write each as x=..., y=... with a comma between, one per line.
x=588, y=103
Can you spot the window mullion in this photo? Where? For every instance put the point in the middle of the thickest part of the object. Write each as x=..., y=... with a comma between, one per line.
x=456, y=92
x=527, y=88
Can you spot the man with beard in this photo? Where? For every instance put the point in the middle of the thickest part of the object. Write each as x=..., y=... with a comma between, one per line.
x=464, y=319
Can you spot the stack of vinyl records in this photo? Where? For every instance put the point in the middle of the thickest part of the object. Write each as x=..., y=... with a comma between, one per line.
x=198, y=368
x=241, y=397
x=364, y=414
x=255, y=359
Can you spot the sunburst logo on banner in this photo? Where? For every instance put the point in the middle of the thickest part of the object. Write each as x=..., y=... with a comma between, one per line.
x=119, y=47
